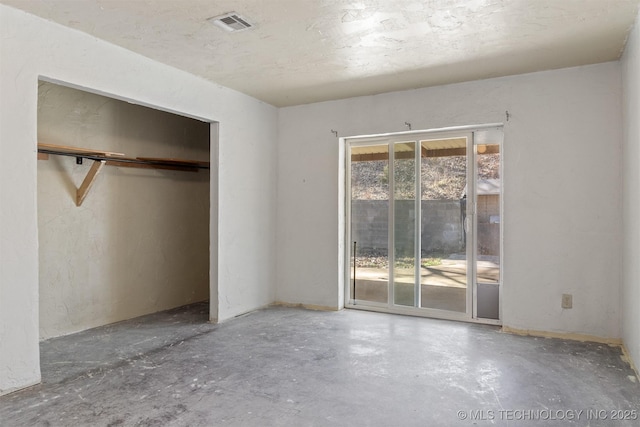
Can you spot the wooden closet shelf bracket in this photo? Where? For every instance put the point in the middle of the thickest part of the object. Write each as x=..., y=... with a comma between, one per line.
x=88, y=181
x=111, y=158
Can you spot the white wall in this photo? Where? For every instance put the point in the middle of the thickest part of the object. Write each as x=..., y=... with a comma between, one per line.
x=242, y=188
x=562, y=158
x=631, y=195
x=140, y=241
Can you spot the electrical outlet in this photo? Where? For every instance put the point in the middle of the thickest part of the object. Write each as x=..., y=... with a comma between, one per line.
x=567, y=301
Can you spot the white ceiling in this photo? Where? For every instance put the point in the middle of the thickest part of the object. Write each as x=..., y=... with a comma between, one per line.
x=303, y=51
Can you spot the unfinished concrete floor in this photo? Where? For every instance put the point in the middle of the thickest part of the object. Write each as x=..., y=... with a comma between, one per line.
x=294, y=367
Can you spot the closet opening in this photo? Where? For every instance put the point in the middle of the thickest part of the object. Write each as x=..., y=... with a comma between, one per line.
x=137, y=241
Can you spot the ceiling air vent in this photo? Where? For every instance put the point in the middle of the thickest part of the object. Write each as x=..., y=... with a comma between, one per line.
x=231, y=22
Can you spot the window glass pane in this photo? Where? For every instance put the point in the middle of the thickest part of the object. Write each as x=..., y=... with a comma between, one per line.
x=370, y=223
x=443, y=269
x=404, y=219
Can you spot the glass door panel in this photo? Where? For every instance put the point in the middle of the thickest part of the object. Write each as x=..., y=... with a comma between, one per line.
x=404, y=223
x=369, y=243
x=443, y=267
x=488, y=192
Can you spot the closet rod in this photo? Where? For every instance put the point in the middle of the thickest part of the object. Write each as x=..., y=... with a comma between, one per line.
x=177, y=163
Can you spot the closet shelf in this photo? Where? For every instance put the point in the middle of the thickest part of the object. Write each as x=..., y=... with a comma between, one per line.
x=64, y=150
x=110, y=158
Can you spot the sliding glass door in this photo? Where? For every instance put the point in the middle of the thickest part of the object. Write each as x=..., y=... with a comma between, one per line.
x=423, y=223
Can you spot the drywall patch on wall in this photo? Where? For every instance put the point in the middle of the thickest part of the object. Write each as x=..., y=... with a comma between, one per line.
x=140, y=241
x=631, y=195
x=562, y=156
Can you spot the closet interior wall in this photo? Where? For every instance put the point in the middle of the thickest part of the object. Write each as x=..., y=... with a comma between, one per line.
x=140, y=241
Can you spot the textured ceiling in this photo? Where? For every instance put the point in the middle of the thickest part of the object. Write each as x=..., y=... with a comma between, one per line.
x=303, y=51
